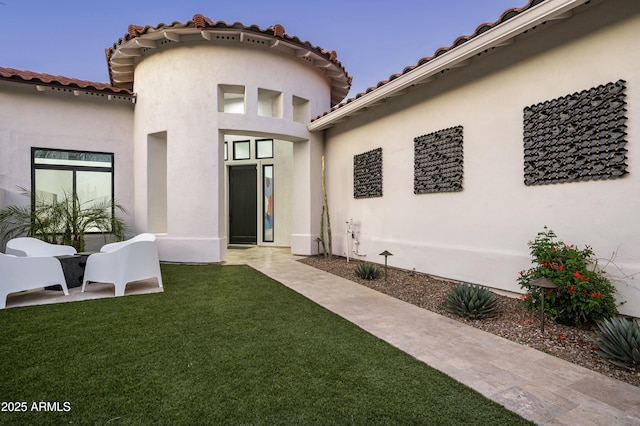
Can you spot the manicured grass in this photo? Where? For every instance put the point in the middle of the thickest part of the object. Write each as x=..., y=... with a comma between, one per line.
x=221, y=345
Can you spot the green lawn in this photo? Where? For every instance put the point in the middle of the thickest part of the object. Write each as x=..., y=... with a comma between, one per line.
x=221, y=345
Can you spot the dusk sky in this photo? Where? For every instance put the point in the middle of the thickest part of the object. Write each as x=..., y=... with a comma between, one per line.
x=373, y=38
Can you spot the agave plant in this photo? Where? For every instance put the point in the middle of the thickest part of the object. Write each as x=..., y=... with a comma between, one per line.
x=619, y=342
x=471, y=301
x=367, y=271
x=62, y=222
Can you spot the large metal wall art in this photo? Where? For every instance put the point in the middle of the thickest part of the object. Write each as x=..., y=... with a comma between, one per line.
x=438, y=161
x=367, y=174
x=578, y=137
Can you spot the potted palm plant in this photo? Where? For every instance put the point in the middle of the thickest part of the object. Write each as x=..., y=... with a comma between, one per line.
x=64, y=221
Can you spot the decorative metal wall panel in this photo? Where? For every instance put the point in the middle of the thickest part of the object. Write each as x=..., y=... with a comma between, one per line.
x=578, y=137
x=367, y=174
x=438, y=161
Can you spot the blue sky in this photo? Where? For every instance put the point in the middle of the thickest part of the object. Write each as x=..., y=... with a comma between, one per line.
x=373, y=38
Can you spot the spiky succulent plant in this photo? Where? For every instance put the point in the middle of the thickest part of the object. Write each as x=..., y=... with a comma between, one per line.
x=619, y=342
x=471, y=301
x=367, y=271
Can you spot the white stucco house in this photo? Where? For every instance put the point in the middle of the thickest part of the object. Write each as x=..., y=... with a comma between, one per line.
x=212, y=134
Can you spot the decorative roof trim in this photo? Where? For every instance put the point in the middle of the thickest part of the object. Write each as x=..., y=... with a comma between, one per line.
x=123, y=56
x=512, y=23
x=40, y=81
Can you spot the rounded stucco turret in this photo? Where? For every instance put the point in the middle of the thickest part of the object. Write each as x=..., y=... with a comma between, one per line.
x=197, y=83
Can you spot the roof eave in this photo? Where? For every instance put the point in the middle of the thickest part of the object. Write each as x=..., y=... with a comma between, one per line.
x=500, y=35
x=123, y=56
x=42, y=81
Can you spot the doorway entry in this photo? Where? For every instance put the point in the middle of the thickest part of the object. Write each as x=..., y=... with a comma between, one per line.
x=243, y=204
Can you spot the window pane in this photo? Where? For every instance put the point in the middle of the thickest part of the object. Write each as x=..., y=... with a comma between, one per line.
x=93, y=187
x=52, y=185
x=264, y=148
x=241, y=150
x=267, y=190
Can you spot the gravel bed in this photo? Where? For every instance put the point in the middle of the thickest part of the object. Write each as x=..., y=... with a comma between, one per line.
x=513, y=322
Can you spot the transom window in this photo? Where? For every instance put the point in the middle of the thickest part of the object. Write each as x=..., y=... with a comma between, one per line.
x=241, y=150
x=264, y=148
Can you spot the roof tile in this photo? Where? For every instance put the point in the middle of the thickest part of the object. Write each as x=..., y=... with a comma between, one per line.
x=30, y=77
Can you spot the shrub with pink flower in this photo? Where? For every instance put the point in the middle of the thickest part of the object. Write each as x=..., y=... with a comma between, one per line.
x=584, y=295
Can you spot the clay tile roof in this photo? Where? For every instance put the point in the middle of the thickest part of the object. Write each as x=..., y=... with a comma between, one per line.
x=30, y=77
x=341, y=81
x=278, y=30
x=482, y=28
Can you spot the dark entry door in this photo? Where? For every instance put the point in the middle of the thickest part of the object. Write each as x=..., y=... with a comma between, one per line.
x=243, y=204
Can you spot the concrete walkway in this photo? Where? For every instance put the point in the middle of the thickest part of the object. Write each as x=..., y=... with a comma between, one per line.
x=539, y=387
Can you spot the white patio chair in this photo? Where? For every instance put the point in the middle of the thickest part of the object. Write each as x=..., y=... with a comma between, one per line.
x=28, y=273
x=33, y=247
x=135, y=261
x=107, y=248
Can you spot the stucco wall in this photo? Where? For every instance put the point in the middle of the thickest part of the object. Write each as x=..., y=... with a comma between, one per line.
x=60, y=120
x=480, y=235
x=178, y=93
